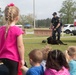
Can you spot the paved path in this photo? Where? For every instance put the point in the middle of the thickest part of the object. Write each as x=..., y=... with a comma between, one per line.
x=46, y=37
x=29, y=32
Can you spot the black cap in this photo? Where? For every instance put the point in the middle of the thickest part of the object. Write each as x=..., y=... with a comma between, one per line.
x=54, y=14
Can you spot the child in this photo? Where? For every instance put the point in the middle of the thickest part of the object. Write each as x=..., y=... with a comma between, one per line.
x=11, y=43
x=45, y=52
x=72, y=63
x=56, y=64
x=35, y=58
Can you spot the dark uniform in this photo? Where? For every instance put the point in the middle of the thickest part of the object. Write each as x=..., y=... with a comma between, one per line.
x=55, y=21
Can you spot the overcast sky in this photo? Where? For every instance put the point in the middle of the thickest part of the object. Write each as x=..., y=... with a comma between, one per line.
x=43, y=8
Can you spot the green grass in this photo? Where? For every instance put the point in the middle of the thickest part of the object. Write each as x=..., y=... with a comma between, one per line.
x=35, y=42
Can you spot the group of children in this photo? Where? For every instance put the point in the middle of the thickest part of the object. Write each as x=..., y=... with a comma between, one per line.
x=51, y=62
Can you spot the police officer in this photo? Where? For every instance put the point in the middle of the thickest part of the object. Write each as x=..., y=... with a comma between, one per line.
x=56, y=28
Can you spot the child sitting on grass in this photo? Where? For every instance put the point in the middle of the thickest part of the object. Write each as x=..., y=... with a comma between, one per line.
x=56, y=64
x=45, y=52
x=71, y=51
x=35, y=59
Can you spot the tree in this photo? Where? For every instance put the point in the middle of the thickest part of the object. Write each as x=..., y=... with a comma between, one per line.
x=68, y=10
x=43, y=23
x=30, y=19
x=26, y=19
x=22, y=20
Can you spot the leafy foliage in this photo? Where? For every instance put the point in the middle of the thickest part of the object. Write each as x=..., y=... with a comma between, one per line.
x=68, y=11
x=43, y=23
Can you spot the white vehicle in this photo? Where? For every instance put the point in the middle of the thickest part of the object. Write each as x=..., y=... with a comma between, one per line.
x=20, y=26
x=68, y=28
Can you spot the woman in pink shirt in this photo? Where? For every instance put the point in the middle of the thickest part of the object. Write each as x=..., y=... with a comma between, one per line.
x=56, y=64
x=11, y=43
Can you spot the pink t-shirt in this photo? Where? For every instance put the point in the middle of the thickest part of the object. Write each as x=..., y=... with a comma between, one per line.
x=63, y=71
x=8, y=45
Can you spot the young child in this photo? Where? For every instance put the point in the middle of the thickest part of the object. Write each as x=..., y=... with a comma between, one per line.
x=45, y=52
x=35, y=58
x=11, y=43
x=56, y=64
x=72, y=62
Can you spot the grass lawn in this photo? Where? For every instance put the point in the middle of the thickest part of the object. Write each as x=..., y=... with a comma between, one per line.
x=35, y=42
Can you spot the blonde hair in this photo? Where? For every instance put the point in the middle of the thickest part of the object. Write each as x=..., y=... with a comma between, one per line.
x=36, y=55
x=45, y=51
x=11, y=12
x=71, y=50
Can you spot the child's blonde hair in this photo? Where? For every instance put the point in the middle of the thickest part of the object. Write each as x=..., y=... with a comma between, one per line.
x=11, y=12
x=71, y=50
x=36, y=55
x=45, y=51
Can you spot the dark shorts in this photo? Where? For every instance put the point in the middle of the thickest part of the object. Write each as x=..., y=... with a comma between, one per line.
x=11, y=65
x=4, y=70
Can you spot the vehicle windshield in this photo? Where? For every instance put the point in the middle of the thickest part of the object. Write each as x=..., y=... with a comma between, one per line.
x=65, y=25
